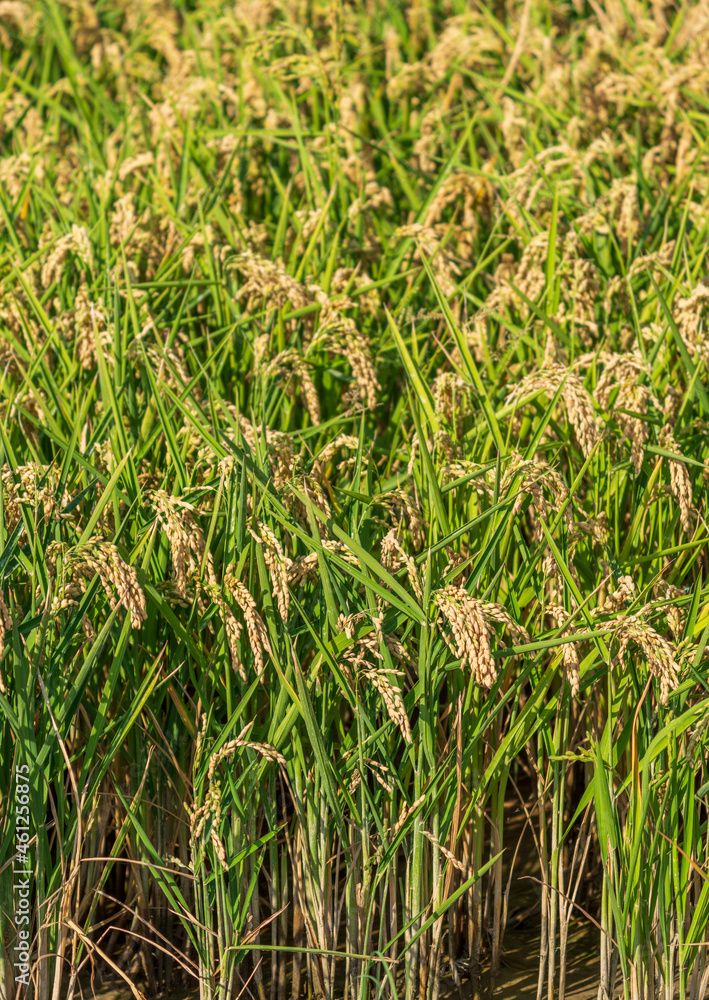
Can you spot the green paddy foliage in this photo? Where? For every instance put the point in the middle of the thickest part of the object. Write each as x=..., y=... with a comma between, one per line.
x=353, y=433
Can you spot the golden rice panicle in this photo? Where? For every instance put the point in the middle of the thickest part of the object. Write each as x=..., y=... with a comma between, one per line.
x=552, y=573
x=675, y=615
x=289, y=363
x=343, y=279
x=622, y=371
x=346, y=623
x=412, y=456
x=268, y=279
x=671, y=403
x=314, y=491
x=406, y=512
x=452, y=395
x=675, y=620
x=569, y=649
x=305, y=567
x=394, y=557
x=310, y=393
x=124, y=579
x=625, y=209
x=97, y=556
x=330, y=450
x=393, y=701
x=496, y=613
x=474, y=195
x=578, y=402
x=70, y=585
x=210, y=810
x=260, y=347
x=378, y=770
x=458, y=865
x=77, y=241
x=255, y=628
x=365, y=648
x=340, y=335
x=187, y=544
x=619, y=598
x=428, y=244
x=359, y=656
x=219, y=848
x=580, y=412
x=5, y=626
x=230, y=748
x=199, y=740
x=464, y=615
x=133, y=164
x=31, y=490
x=277, y=564
x=530, y=274
x=355, y=781
x=425, y=146
x=278, y=445
x=534, y=474
x=580, y=296
x=232, y=627
x=197, y=241
x=658, y=652
x=690, y=316
x=84, y=324
x=406, y=811
x=680, y=482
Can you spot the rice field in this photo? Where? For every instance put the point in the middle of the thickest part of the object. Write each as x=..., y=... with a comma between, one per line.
x=354, y=583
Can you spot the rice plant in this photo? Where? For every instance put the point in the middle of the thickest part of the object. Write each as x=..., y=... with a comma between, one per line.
x=353, y=563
